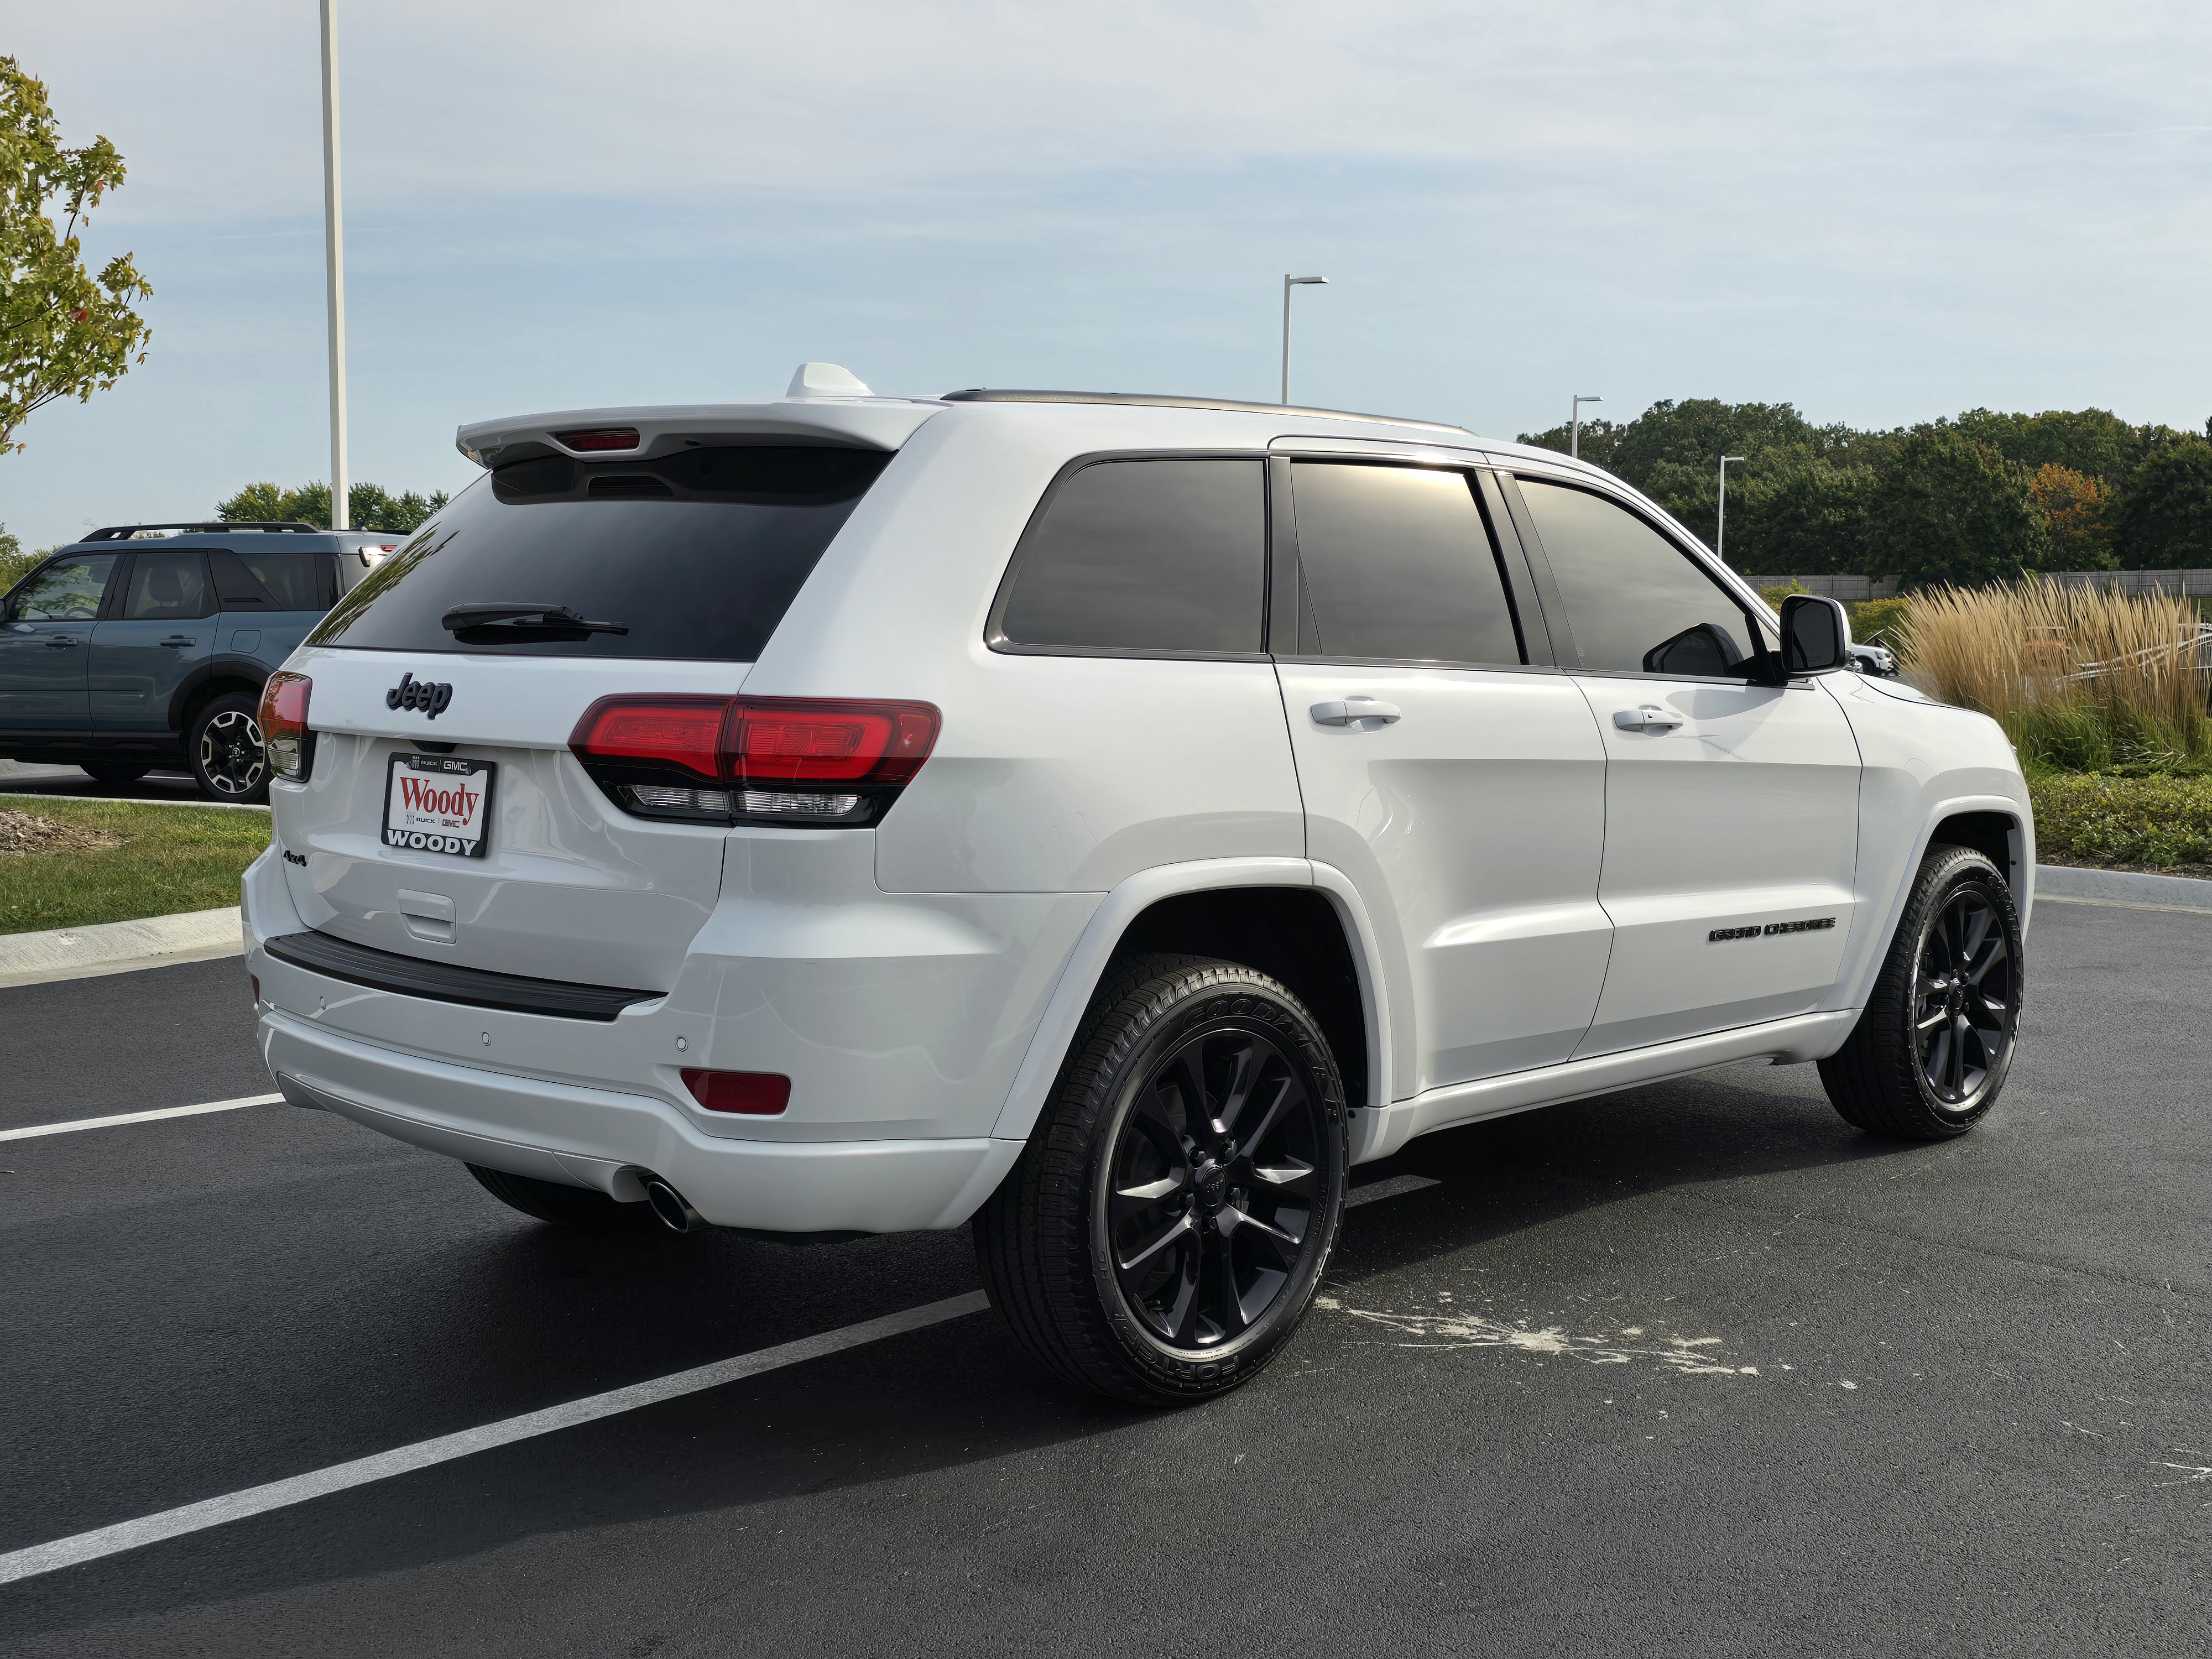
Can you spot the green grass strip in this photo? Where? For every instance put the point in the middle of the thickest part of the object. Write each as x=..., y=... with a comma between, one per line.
x=170, y=859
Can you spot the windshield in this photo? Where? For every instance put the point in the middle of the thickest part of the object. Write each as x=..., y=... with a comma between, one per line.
x=697, y=554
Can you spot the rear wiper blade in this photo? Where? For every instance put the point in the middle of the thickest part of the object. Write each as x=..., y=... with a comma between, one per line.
x=534, y=618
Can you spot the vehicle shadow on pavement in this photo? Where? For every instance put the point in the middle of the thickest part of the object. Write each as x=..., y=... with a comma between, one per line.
x=884, y=1418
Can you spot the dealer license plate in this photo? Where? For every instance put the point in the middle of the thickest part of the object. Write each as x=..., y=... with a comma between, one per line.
x=438, y=803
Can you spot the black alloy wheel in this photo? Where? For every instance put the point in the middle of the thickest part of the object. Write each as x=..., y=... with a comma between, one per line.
x=1169, y=1224
x=1208, y=1211
x=1936, y=1038
x=1964, y=1013
x=228, y=756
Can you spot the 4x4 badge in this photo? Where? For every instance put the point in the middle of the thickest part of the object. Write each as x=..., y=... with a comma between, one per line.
x=429, y=695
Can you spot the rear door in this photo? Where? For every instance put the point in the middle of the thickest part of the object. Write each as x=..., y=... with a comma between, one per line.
x=1458, y=785
x=1731, y=806
x=46, y=641
x=163, y=629
x=694, y=557
x=271, y=597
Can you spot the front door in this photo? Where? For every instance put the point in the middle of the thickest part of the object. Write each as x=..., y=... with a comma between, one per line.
x=45, y=642
x=1459, y=788
x=1731, y=806
x=140, y=655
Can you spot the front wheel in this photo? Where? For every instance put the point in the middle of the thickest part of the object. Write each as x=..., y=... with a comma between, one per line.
x=1167, y=1228
x=226, y=752
x=1930, y=1053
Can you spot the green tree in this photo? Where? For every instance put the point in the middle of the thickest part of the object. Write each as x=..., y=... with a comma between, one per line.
x=1948, y=509
x=1794, y=513
x=369, y=506
x=13, y=561
x=64, y=332
x=2163, y=520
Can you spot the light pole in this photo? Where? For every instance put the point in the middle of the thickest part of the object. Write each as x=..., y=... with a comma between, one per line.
x=334, y=260
x=1289, y=282
x=1720, y=538
x=1575, y=437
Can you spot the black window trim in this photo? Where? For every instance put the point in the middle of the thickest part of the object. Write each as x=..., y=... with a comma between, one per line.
x=994, y=633
x=1284, y=566
x=1555, y=606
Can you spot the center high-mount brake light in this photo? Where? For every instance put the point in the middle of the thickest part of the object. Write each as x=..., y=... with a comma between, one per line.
x=285, y=738
x=814, y=762
x=608, y=437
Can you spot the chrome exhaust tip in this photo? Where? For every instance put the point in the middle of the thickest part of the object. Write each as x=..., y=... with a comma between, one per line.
x=673, y=1210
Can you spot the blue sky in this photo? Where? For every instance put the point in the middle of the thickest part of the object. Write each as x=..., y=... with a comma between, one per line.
x=1882, y=216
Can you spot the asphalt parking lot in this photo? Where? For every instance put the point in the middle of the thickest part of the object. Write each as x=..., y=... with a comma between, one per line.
x=1692, y=1370
x=30, y=778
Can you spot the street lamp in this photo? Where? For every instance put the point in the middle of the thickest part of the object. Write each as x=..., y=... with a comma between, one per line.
x=1720, y=538
x=1289, y=282
x=334, y=258
x=1575, y=437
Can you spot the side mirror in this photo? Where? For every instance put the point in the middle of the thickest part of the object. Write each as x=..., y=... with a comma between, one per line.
x=1816, y=634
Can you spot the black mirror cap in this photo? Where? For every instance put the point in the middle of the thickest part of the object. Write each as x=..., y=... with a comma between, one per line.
x=1816, y=634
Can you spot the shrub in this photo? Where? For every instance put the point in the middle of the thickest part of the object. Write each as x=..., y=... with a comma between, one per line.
x=2157, y=820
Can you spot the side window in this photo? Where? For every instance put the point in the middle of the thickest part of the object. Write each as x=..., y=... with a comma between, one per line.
x=167, y=587
x=287, y=581
x=1635, y=602
x=68, y=590
x=1146, y=555
x=1395, y=561
x=235, y=589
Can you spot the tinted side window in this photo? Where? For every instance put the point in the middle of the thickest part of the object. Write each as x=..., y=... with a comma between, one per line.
x=167, y=587
x=1147, y=555
x=274, y=581
x=1395, y=561
x=1635, y=602
x=68, y=590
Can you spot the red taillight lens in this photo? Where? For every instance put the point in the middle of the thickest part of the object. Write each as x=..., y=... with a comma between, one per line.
x=284, y=735
x=756, y=1094
x=685, y=731
x=768, y=751
x=610, y=437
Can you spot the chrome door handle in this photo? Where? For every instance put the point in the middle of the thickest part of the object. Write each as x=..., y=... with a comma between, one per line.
x=1353, y=710
x=1650, y=718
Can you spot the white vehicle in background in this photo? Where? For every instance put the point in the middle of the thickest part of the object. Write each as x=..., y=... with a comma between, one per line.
x=1102, y=819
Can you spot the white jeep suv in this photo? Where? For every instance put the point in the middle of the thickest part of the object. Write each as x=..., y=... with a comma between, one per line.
x=1100, y=819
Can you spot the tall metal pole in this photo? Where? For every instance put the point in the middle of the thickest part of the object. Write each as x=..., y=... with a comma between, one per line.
x=1289, y=282
x=1720, y=535
x=1575, y=437
x=334, y=260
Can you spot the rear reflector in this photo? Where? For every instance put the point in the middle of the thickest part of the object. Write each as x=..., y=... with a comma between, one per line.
x=609, y=437
x=284, y=735
x=756, y=1094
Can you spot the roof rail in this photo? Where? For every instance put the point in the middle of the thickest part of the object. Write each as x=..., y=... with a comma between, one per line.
x=999, y=395
x=123, y=532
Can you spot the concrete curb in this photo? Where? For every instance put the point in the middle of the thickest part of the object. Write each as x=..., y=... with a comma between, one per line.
x=2066, y=881
x=132, y=800
x=120, y=947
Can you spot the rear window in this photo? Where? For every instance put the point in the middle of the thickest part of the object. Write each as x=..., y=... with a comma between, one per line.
x=697, y=554
x=1148, y=556
x=258, y=580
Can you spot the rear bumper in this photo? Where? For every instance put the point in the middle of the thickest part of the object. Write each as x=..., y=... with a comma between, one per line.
x=597, y=1137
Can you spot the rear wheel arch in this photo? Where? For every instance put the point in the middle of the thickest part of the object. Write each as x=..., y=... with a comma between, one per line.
x=218, y=680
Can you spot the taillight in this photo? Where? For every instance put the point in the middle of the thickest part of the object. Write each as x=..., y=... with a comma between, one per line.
x=285, y=738
x=611, y=437
x=816, y=760
x=756, y=1094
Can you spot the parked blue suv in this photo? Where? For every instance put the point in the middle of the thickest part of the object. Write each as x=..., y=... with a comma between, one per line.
x=133, y=649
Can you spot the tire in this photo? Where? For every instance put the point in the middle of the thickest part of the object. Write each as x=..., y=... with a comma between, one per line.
x=577, y=1209
x=112, y=771
x=1108, y=1250
x=1930, y=1053
x=224, y=748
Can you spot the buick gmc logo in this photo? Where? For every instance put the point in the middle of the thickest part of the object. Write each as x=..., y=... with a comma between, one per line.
x=431, y=696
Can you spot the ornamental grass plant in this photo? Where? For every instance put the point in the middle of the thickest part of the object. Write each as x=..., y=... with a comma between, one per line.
x=2082, y=679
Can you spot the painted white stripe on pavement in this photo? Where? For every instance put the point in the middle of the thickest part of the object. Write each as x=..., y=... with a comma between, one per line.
x=300, y=1488
x=137, y=1117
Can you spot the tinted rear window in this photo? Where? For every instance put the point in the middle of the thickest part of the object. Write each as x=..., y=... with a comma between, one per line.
x=1166, y=555
x=698, y=554
x=259, y=580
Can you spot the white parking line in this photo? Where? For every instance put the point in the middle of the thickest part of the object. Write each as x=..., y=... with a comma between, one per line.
x=279, y=1494
x=137, y=1117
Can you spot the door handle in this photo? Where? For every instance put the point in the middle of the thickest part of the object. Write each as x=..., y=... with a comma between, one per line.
x=62, y=642
x=1353, y=710
x=173, y=642
x=1650, y=718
